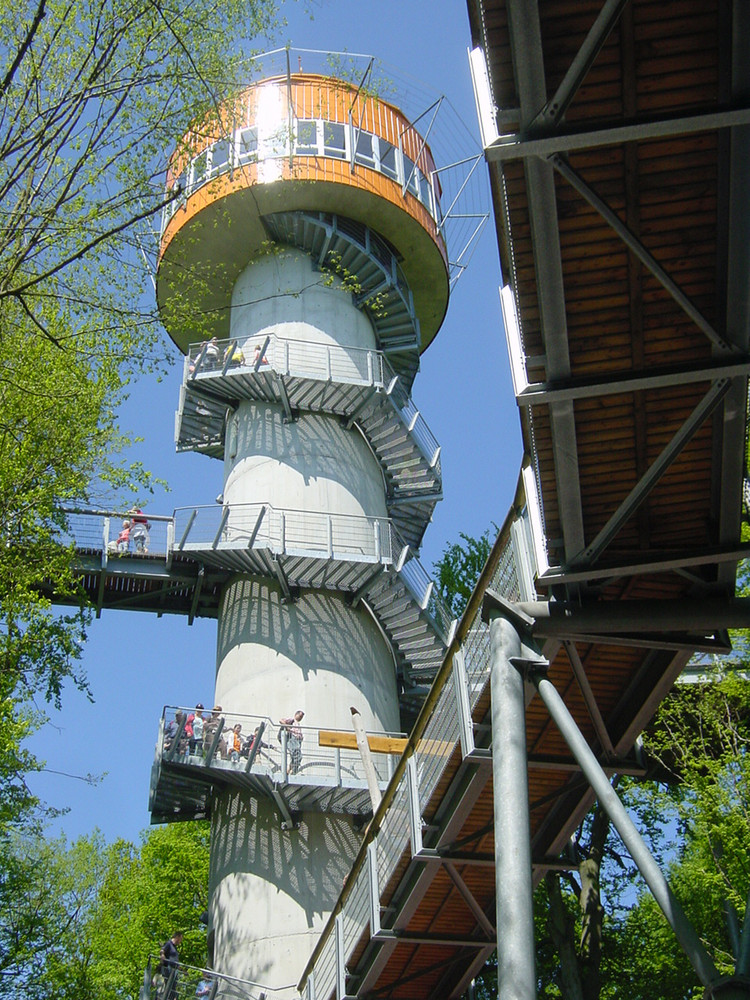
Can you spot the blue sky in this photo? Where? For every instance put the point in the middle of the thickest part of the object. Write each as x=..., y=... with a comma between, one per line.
x=137, y=662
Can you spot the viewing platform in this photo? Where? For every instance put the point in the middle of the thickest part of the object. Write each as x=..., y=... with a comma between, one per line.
x=192, y=553
x=276, y=168
x=359, y=386
x=322, y=778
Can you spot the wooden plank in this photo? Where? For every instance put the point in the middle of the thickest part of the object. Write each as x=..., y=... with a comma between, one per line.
x=348, y=741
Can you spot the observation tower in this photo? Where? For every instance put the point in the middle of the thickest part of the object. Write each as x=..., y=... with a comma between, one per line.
x=302, y=270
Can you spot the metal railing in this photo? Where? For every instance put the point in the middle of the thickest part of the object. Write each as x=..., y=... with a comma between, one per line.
x=312, y=534
x=302, y=359
x=430, y=747
x=99, y=530
x=187, y=982
x=274, y=140
x=323, y=362
x=306, y=534
x=265, y=748
x=422, y=588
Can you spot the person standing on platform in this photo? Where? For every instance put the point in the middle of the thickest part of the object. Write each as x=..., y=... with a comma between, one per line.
x=170, y=960
x=139, y=531
x=195, y=722
x=294, y=741
x=210, y=728
x=123, y=539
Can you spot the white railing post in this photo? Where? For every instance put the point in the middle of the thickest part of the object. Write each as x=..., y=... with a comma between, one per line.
x=534, y=508
x=340, y=957
x=463, y=704
x=522, y=557
x=330, y=536
x=170, y=542
x=105, y=540
x=376, y=527
x=284, y=757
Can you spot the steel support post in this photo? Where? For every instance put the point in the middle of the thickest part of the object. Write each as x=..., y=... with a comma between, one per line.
x=516, y=976
x=610, y=802
x=145, y=991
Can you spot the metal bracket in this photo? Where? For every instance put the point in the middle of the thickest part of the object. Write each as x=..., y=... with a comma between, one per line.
x=288, y=822
x=529, y=666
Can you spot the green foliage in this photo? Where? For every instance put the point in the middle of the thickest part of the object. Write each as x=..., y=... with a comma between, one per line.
x=79, y=921
x=459, y=567
x=93, y=96
x=701, y=738
x=369, y=81
x=334, y=266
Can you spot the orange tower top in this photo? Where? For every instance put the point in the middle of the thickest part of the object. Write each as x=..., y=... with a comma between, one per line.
x=303, y=143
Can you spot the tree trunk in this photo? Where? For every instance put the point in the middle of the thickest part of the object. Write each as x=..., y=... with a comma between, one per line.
x=560, y=926
x=592, y=912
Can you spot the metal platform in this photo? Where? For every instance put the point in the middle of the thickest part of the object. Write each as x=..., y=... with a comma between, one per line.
x=328, y=779
x=356, y=385
x=194, y=552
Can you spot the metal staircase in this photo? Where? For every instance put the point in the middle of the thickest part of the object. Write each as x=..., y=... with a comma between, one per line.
x=359, y=386
x=367, y=264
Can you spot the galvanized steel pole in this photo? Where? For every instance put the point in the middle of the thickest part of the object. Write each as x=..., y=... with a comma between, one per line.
x=516, y=976
x=610, y=802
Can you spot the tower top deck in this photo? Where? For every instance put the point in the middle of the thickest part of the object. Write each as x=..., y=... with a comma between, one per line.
x=309, y=143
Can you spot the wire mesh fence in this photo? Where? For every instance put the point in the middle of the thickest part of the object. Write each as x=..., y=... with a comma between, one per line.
x=119, y=533
x=284, y=532
x=435, y=743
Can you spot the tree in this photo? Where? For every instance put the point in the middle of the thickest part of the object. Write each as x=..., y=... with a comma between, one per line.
x=109, y=908
x=458, y=569
x=700, y=738
x=93, y=96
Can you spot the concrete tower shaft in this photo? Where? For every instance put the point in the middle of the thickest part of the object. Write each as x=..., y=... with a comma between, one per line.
x=317, y=654
x=313, y=463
